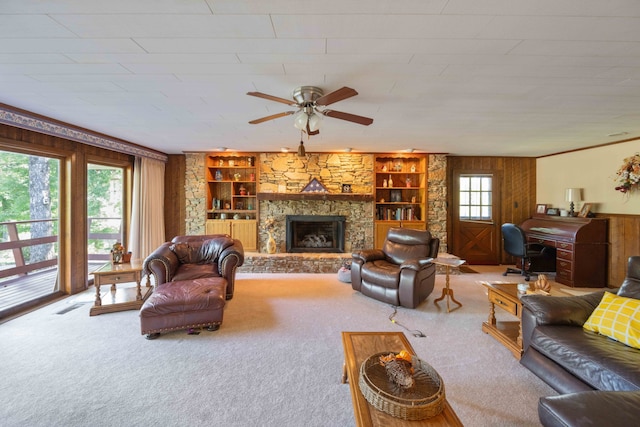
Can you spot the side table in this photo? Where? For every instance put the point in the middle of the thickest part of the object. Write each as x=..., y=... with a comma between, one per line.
x=123, y=298
x=447, y=292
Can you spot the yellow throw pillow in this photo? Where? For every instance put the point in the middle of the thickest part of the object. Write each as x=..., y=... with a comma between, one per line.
x=618, y=318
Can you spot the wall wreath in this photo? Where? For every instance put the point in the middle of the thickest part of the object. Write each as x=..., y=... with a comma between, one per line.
x=628, y=175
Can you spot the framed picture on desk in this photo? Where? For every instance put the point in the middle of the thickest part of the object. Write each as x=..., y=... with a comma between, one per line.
x=541, y=209
x=586, y=208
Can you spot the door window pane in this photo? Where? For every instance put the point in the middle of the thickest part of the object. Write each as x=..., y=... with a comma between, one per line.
x=475, y=197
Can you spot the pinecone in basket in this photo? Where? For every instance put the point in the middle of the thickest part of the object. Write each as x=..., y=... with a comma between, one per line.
x=398, y=370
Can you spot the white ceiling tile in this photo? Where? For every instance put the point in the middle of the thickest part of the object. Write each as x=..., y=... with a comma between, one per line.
x=34, y=69
x=379, y=26
x=15, y=26
x=33, y=58
x=152, y=25
x=421, y=46
x=190, y=68
x=563, y=28
x=326, y=59
x=48, y=45
x=147, y=58
x=334, y=6
x=111, y=6
x=544, y=7
x=230, y=45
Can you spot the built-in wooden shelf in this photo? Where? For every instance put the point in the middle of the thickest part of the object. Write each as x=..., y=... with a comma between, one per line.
x=352, y=197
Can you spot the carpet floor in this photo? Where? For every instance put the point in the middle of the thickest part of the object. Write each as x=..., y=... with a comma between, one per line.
x=275, y=361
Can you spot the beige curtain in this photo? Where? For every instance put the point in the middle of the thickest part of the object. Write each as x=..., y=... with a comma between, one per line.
x=147, y=210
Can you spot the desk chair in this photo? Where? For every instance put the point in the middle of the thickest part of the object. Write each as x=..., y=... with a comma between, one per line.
x=532, y=257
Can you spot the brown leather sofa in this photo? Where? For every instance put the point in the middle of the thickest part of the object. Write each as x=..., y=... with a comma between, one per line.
x=196, y=257
x=401, y=273
x=591, y=371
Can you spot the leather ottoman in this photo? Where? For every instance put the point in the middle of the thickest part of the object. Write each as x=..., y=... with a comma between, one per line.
x=590, y=408
x=184, y=304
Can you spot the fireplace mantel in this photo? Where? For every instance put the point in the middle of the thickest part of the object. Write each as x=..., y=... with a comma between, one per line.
x=352, y=197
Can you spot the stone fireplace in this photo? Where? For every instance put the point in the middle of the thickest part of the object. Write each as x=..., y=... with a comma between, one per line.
x=315, y=233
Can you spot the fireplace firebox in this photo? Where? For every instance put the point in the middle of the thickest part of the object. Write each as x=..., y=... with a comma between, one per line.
x=315, y=233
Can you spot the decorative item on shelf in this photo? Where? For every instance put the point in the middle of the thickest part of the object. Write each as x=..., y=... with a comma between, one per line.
x=237, y=176
x=572, y=195
x=408, y=181
x=239, y=206
x=382, y=200
x=553, y=211
x=232, y=163
x=242, y=190
x=126, y=257
x=629, y=175
x=413, y=168
x=227, y=205
x=236, y=216
x=413, y=199
x=250, y=207
x=213, y=203
x=384, y=168
x=220, y=162
x=218, y=203
x=252, y=177
x=397, y=167
x=117, y=251
x=396, y=196
x=218, y=175
x=390, y=181
x=250, y=161
x=385, y=184
x=223, y=216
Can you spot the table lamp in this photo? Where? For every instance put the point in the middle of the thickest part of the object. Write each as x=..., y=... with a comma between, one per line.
x=572, y=195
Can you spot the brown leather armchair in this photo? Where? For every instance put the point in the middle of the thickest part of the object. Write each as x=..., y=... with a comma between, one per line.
x=401, y=273
x=196, y=257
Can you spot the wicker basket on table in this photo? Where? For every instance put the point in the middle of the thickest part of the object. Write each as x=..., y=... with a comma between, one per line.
x=424, y=400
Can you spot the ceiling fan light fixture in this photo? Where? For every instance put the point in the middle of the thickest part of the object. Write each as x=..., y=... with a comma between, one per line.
x=300, y=120
x=314, y=122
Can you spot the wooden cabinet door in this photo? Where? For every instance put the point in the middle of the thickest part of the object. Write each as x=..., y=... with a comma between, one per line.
x=246, y=231
x=218, y=226
x=382, y=228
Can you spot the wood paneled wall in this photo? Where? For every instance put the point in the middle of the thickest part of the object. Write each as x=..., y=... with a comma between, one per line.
x=175, y=197
x=624, y=241
x=517, y=181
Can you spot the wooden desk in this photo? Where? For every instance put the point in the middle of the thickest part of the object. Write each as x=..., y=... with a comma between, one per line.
x=447, y=292
x=358, y=346
x=581, y=247
x=123, y=298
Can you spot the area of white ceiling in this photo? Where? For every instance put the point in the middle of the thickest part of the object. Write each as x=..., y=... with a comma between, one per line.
x=466, y=77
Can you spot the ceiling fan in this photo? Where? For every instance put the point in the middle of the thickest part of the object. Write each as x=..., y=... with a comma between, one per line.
x=310, y=102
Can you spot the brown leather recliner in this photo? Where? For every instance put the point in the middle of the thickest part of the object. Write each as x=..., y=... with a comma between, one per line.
x=196, y=257
x=401, y=273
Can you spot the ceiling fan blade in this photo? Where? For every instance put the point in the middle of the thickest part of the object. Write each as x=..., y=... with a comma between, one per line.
x=272, y=98
x=336, y=95
x=366, y=121
x=271, y=117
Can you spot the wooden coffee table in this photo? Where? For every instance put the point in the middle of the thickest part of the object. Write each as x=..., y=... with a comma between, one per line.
x=358, y=346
